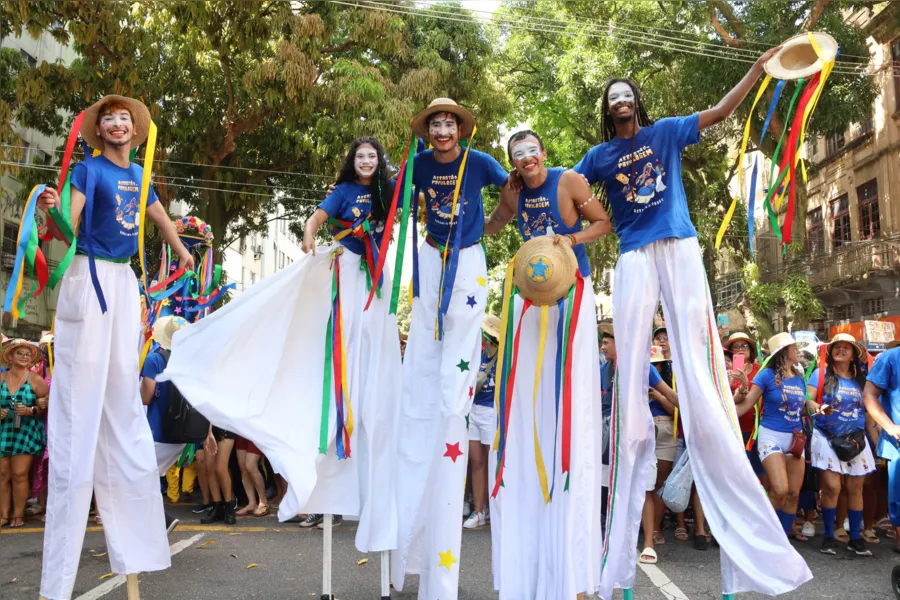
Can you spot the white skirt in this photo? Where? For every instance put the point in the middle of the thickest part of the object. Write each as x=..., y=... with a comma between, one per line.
x=256, y=368
x=825, y=459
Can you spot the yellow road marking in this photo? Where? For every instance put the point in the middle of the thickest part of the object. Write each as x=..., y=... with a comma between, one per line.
x=6, y=531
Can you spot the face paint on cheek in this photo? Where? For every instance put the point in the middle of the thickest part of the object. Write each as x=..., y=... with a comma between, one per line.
x=620, y=92
x=525, y=150
x=442, y=128
x=365, y=162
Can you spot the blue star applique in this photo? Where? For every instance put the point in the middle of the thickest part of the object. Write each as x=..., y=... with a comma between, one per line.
x=471, y=301
x=539, y=269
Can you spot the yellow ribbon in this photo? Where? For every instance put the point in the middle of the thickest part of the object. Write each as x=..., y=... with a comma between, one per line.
x=675, y=423
x=145, y=191
x=728, y=215
x=538, y=457
x=344, y=381
x=501, y=351
x=15, y=302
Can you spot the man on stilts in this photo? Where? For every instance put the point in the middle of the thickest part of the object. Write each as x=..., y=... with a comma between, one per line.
x=100, y=441
x=639, y=166
x=443, y=350
x=545, y=507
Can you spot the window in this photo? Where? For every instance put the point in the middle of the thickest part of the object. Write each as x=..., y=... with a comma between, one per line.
x=874, y=305
x=29, y=59
x=840, y=221
x=243, y=244
x=844, y=312
x=38, y=157
x=867, y=126
x=8, y=257
x=869, y=223
x=895, y=56
x=834, y=144
x=252, y=277
x=815, y=232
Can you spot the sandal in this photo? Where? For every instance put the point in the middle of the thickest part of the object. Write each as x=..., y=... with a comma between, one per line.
x=98, y=520
x=702, y=541
x=798, y=537
x=650, y=555
x=681, y=534
x=261, y=511
x=841, y=535
x=34, y=510
x=658, y=538
x=17, y=522
x=870, y=537
x=245, y=511
x=4, y=521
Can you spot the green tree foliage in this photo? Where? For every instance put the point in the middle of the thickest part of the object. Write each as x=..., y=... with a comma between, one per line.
x=556, y=72
x=265, y=95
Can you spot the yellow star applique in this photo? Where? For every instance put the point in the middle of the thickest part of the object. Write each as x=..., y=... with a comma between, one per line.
x=164, y=302
x=482, y=281
x=447, y=559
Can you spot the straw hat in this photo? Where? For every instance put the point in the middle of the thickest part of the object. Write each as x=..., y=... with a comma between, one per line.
x=779, y=342
x=849, y=339
x=419, y=123
x=740, y=336
x=797, y=58
x=14, y=345
x=139, y=114
x=606, y=330
x=490, y=324
x=656, y=355
x=544, y=271
x=47, y=338
x=165, y=328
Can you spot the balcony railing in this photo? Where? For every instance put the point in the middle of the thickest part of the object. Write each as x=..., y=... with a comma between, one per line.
x=849, y=263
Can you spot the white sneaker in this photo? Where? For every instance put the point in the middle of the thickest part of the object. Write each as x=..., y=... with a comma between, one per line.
x=475, y=520
x=467, y=509
x=847, y=524
x=809, y=530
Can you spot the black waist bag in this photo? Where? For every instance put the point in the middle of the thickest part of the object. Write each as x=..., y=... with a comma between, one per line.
x=849, y=446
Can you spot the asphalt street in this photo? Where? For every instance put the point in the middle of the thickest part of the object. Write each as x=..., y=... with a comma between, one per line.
x=261, y=558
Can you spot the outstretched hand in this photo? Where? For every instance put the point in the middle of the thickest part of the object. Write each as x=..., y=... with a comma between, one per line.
x=48, y=199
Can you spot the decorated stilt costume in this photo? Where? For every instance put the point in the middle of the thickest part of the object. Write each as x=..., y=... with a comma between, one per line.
x=441, y=362
x=100, y=442
x=298, y=365
x=545, y=461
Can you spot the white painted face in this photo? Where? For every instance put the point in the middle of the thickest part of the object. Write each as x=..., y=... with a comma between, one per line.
x=443, y=130
x=620, y=92
x=526, y=155
x=366, y=161
x=116, y=128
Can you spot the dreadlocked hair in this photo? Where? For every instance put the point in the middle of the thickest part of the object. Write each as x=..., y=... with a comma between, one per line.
x=609, y=126
x=831, y=377
x=381, y=186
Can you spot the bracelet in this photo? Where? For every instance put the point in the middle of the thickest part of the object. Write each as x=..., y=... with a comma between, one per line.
x=572, y=239
x=586, y=202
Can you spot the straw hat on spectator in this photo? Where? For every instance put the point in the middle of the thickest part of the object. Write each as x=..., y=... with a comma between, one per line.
x=10, y=348
x=165, y=328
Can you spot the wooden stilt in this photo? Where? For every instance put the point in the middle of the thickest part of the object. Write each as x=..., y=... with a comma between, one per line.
x=326, y=558
x=386, y=575
x=132, y=582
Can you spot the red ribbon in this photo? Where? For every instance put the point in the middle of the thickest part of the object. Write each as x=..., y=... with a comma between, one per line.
x=791, y=155
x=164, y=284
x=53, y=231
x=567, y=390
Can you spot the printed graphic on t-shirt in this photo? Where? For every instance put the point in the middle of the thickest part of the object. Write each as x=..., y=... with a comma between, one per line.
x=361, y=199
x=797, y=394
x=641, y=176
x=127, y=208
x=440, y=198
x=537, y=225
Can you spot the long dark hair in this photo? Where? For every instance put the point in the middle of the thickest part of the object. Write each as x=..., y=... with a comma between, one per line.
x=776, y=363
x=609, y=126
x=831, y=377
x=381, y=184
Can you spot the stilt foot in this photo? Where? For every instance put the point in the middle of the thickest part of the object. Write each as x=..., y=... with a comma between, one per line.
x=132, y=582
x=628, y=594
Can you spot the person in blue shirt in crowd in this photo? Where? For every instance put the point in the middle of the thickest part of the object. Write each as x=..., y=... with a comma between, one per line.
x=781, y=388
x=155, y=396
x=881, y=398
x=838, y=414
x=443, y=348
x=483, y=421
x=96, y=362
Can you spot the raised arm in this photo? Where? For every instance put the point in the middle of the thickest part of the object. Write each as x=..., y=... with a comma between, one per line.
x=162, y=221
x=588, y=208
x=311, y=228
x=505, y=211
x=727, y=105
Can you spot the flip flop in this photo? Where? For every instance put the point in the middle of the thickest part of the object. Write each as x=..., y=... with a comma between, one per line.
x=870, y=537
x=34, y=510
x=658, y=538
x=265, y=511
x=841, y=535
x=681, y=534
x=4, y=521
x=651, y=554
x=245, y=511
x=21, y=522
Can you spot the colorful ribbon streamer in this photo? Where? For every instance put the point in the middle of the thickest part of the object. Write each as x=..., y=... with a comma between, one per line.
x=28, y=259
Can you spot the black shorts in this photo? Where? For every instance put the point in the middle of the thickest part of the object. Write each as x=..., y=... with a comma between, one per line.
x=222, y=434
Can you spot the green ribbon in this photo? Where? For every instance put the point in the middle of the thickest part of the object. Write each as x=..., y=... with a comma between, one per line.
x=773, y=218
x=329, y=352
x=62, y=218
x=570, y=304
x=404, y=224
x=187, y=455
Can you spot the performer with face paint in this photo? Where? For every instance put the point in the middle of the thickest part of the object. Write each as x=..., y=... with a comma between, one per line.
x=639, y=168
x=547, y=542
x=100, y=441
x=326, y=373
x=443, y=349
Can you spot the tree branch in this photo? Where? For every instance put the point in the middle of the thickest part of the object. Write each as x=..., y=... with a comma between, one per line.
x=337, y=49
x=716, y=6
x=816, y=13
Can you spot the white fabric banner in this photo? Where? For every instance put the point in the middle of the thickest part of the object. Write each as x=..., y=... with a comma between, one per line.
x=755, y=554
x=255, y=367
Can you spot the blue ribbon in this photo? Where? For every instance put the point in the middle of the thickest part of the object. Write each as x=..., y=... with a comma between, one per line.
x=24, y=237
x=751, y=207
x=414, y=215
x=212, y=300
x=449, y=276
x=90, y=189
x=560, y=325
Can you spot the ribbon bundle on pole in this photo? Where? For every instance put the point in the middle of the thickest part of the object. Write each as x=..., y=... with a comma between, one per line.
x=336, y=370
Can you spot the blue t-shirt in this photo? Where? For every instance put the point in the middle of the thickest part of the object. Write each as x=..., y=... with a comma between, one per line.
x=155, y=364
x=606, y=377
x=438, y=180
x=849, y=414
x=486, y=396
x=782, y=406
x=885, y=374
x=643, y=180
x=116, y=215
x=351, y=201
x=656, y=408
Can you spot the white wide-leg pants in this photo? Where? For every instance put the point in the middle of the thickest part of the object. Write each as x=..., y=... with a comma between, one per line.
x=756, y=555
x=549, y=551
x=438, y=382
x=100, y=441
